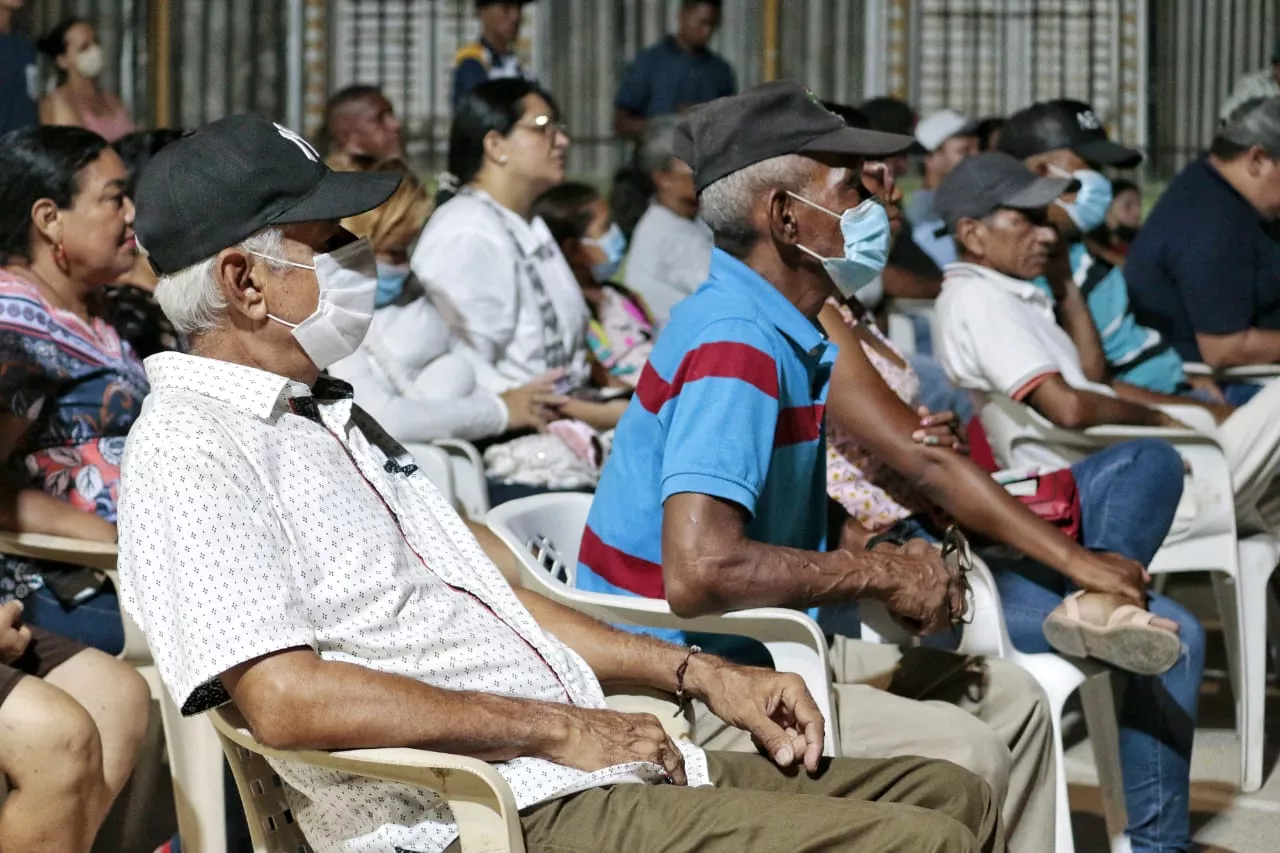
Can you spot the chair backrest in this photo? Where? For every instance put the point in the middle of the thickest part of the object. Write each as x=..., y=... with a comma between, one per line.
x=271, y=823
x=545, y=532
x=435, y=463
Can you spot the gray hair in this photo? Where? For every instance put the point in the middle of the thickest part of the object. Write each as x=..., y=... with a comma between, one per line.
x=725, y=205
x=192, y=298
x=1255, y=122
x=658, y=145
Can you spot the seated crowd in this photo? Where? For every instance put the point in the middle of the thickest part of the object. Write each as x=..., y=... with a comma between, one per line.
x=726, y=387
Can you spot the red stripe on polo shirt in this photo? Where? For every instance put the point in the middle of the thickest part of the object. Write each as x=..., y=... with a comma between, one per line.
x=798, y=425
x=722, y=360
x=620, y=568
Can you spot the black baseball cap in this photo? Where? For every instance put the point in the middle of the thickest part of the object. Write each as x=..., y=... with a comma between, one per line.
x=1050, y=125
x=230, y=179
x=720, y=137
x=993, y=179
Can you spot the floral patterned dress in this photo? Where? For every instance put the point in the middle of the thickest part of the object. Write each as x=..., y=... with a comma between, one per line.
x=871, y=492
x=80, y=388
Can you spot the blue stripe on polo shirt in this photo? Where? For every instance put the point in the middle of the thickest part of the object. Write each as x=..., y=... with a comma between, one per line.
x=731, y=404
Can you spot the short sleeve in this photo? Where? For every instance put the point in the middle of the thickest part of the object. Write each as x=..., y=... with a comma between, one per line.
x=722, y=414
x=634, y=92
x=204, y=567
x=1216, y=274
x=467, y=75
x=471, y=277
x=24, y=376
x=987, y=346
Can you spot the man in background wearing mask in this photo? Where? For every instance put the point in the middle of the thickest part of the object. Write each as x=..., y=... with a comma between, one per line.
x=1065, y=139
x=714, y=496
x=284, y=554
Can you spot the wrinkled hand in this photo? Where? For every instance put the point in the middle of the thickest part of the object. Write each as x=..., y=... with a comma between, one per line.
x=1109, y=573
x=775, y=707
x=597, y=739
x=14, y=636
x=534, y=405
x=939, y=429
x=916, y=587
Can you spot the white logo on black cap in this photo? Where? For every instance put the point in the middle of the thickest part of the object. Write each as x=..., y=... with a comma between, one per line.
x=1087, y=120
x=312, y=154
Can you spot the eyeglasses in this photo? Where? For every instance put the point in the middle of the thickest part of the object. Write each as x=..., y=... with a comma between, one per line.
x=547, y=125
x=958, y=559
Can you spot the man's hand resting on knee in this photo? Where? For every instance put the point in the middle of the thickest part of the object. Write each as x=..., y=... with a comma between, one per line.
x=775, y=707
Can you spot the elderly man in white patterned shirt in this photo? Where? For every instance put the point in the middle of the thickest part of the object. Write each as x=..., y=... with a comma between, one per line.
x=281, y=552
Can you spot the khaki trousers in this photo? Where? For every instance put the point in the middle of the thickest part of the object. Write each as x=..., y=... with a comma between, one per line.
x=1006, y=738
x=898, y=805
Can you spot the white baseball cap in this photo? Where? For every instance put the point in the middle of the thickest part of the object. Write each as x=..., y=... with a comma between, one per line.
x=938, y=127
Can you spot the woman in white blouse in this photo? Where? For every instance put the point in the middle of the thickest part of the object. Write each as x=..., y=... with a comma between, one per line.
x=411, y=373
x=494, y=271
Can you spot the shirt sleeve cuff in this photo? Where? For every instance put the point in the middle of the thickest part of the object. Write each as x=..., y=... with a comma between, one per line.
x=714, y=485
x=1023, y=389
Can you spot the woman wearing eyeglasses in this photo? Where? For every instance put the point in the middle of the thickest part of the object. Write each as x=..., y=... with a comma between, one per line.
x=493, y=268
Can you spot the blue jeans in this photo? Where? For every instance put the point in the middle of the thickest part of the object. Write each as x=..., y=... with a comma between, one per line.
x=95, y=623
x=1128, y=494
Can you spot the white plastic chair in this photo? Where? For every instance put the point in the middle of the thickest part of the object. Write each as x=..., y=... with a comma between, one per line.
x=545, y=533
x=1240, y=569
x=901, y=314
x=457, y=470
x=1259, y=373
x=480, y=799
x=195, y=758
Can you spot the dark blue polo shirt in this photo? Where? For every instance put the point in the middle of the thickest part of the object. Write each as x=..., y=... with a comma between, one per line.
x=17, y=83
x=1204, y=261
x=663, y=78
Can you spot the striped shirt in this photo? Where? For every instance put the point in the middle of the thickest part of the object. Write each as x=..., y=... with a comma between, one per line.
x=1135, y=354
x=730, y=405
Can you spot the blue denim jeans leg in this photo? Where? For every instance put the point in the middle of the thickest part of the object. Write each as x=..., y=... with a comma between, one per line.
x=1128, y=496
x=95, y=623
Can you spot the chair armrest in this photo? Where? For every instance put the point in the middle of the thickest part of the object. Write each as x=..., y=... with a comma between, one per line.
x=59, y=549
x=481, y=800
x=1244, y=372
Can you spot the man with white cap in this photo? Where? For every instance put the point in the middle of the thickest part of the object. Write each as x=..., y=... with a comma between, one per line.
x=282, y=552
x=947, y=138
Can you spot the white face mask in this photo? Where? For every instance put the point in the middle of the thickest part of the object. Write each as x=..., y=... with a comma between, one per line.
x=89, y=61
x=348, y=280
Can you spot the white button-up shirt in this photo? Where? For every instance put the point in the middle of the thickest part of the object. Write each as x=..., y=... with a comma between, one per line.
x=480, y=280
x=255, y=517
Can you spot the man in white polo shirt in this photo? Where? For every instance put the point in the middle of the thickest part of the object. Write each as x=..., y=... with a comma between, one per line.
x=996, y=333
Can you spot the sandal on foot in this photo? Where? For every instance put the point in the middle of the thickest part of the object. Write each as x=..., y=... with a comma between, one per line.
x=1127, y=641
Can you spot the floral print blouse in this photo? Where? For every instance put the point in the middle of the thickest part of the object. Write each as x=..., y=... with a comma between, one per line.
x=871, y=492
x=80, y=387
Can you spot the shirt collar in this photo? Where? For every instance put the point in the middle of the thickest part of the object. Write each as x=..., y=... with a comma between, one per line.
x=1021, y=288
x=532, y=237
x=787, y=318
x=1222, y=179
x=255, y=391
x=493, y=51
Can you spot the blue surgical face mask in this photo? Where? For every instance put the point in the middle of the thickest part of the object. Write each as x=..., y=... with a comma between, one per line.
x=614, y=246
x=866, y=245
x=391, y=279
x=1093, y=199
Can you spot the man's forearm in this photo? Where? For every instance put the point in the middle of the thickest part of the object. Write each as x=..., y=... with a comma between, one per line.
x=1101, y=410
x=618, y=657
x=1252, y=346
x=295, y=700
x=759, y=575
x=1073, y=315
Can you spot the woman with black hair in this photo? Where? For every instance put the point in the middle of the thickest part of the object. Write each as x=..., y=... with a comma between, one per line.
x=130, y=304
x=490, y=265
x=69, y=387
x=79, y=101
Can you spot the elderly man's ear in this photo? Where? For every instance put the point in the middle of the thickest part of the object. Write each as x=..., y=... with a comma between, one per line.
x=235, y=271
x=782, y=219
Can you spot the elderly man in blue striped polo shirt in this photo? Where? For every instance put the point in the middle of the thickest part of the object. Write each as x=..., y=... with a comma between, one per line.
x=714, y=496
